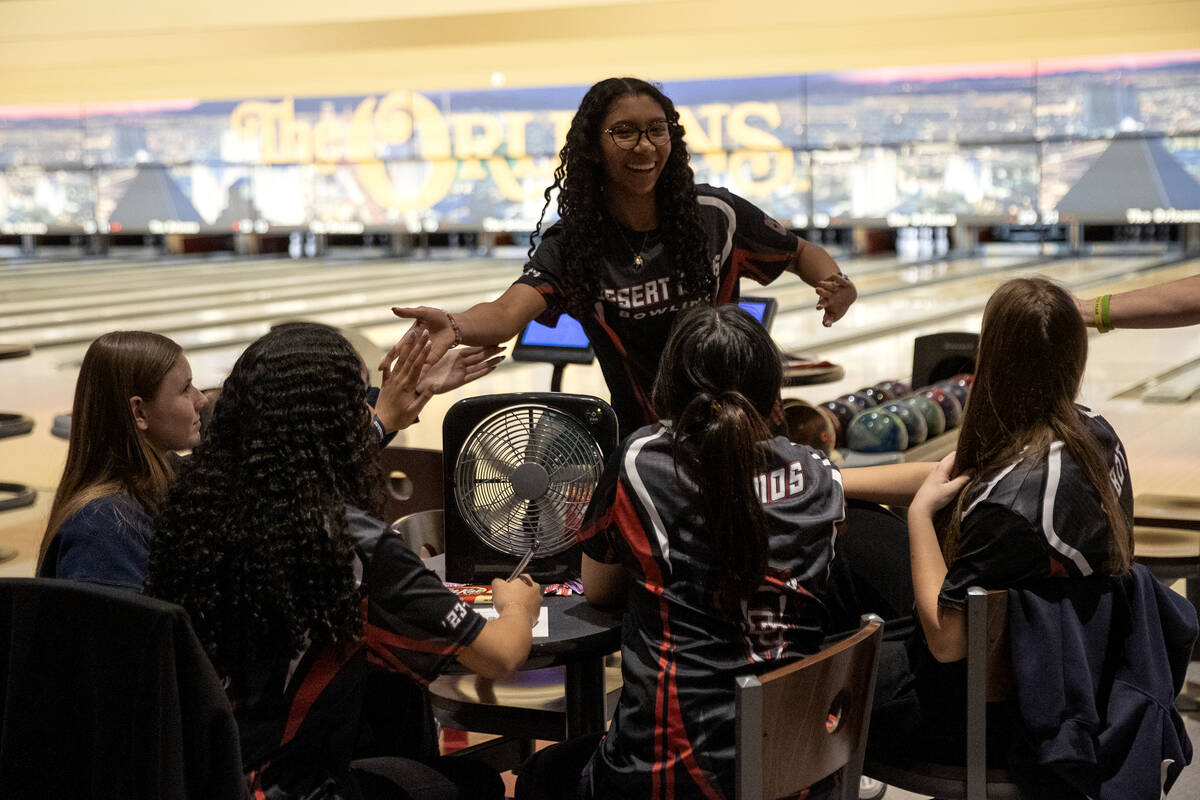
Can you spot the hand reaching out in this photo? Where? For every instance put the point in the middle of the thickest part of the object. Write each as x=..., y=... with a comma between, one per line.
x=435, y=322
x=836, y=293
x=399, y=401
x=459, y=366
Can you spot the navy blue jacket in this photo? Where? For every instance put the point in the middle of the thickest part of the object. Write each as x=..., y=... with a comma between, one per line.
x=1097, y=667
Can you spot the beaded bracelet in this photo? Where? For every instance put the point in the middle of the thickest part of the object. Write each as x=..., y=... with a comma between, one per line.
x=457, y=330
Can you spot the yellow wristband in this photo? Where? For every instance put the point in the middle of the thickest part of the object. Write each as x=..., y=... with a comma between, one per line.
x=1104, y=317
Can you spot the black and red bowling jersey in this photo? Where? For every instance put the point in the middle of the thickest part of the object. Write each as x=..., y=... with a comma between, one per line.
x=1038, y=518
x=672, y=735
x=631, y=319
x=299, y=720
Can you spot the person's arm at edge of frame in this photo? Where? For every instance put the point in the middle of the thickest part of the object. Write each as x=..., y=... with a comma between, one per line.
x=1166, y=305
x=503, y=644
x=945, y=629
x=835, y=291
x=603, y=584
x=487, y=323
x=887, y=484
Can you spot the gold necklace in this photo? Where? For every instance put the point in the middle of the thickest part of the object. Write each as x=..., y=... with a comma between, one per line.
x=638, y=261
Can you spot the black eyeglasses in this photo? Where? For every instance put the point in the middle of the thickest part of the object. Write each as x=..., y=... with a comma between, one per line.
x=627, y=137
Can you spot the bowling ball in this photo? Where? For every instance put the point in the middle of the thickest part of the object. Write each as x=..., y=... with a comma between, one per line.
x=914, y=422
x=949, y=403
x=887, y=389
x=960, y=392
x=860, y=402
x=809, y=425
x=843, y=412
x=898, y=388
x=935, y=418
x=877, y=431
x=877, y=396
x=835, y=425
x=964, y=377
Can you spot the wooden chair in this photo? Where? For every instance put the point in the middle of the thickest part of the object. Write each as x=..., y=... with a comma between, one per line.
x=413, y=478
x=1166, y=538
x=989, y=679
x=798, y=724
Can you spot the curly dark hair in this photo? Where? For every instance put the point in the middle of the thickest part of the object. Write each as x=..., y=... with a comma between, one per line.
x=253, y=540
x=579, y=179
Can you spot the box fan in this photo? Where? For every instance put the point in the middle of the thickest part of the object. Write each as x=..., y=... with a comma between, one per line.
x=519, y=474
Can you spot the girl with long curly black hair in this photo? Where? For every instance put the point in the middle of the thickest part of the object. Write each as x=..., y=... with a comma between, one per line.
x=637, y=241
x=255, y=542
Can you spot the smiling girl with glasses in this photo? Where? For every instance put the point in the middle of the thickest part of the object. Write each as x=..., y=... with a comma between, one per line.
x=637, y=241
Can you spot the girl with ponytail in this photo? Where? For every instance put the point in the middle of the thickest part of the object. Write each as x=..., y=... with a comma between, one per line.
x=718, y=539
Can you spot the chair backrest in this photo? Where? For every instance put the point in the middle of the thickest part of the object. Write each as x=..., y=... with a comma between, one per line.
x=413, y=477
x=801, y=723
x=989, y=676
x=107, y=694
x=423, y=529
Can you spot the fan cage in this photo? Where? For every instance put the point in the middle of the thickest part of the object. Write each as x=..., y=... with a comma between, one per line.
x=496, y=514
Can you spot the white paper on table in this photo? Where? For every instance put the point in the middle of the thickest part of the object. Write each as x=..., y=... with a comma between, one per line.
x=437, y=564
x=540, y=631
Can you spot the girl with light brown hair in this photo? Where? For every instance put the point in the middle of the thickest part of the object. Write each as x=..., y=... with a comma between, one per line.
x=134, y=406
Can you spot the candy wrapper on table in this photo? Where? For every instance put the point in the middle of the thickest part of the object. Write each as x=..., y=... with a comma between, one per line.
x=475, y=594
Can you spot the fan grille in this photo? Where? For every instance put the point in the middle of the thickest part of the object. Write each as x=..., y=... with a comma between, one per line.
x=527, y=472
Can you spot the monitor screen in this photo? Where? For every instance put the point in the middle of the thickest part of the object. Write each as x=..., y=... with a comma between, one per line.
x=567, y=333
x=565, y=342
x=761, y=308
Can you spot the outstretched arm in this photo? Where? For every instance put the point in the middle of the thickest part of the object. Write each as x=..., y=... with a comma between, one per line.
x=888, y=484
x=835, y=291
x=482, y=324
x=1167, y=305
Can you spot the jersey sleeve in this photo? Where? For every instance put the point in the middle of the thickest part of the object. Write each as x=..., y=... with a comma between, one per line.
x=599, y=534
x=415, y=625
x=997, y=548
x=544, y=272
x=762, y=247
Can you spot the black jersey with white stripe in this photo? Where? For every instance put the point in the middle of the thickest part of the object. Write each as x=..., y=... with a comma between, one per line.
x=1037, y=518
x=629, y=324
x=672, y=735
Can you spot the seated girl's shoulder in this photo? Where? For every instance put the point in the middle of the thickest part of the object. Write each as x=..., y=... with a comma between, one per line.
x=107, y=513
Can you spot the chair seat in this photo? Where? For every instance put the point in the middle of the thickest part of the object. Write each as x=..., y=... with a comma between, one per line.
x=944, y=781
x=530, y=704
x=1172, y=511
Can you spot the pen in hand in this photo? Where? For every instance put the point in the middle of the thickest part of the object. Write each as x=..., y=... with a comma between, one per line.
x=524, y=562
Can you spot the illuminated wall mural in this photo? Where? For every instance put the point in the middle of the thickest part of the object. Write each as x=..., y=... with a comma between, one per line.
x=1007, y=142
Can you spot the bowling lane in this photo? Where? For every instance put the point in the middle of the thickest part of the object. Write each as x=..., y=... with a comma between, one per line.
x=871, y=317
x=213, y=347
x=793, y=295
x=203, y=308
x=205, y=289
x=365, y=290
